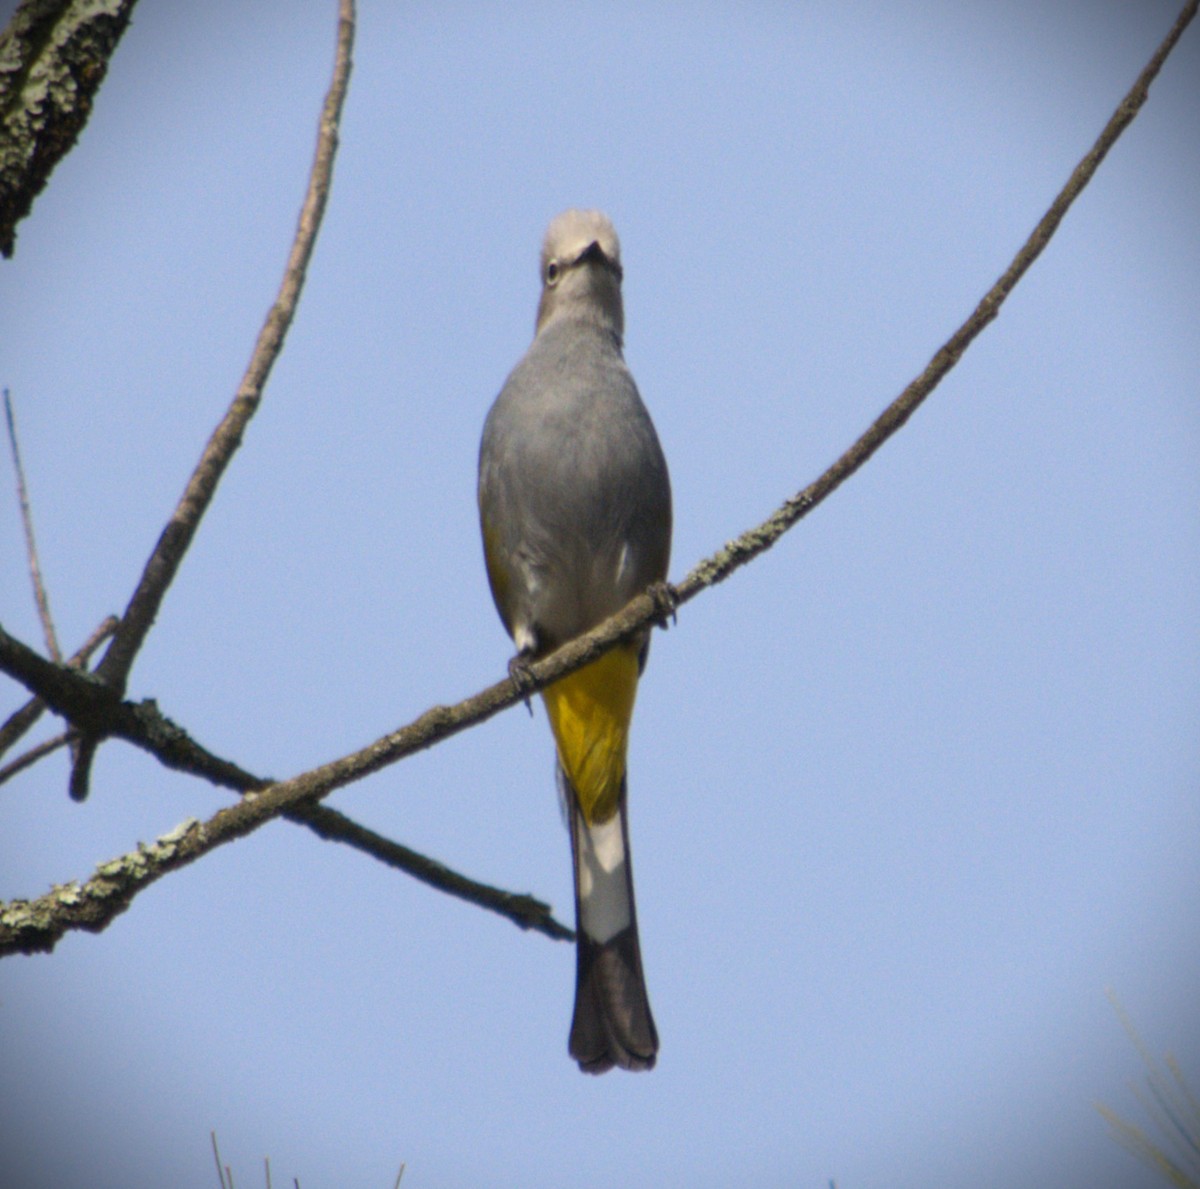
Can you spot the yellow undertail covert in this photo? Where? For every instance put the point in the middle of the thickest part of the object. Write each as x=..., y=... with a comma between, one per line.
x=589, y=714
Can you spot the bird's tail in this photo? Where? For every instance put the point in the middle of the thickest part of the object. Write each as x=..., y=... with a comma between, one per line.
x=612, y=1024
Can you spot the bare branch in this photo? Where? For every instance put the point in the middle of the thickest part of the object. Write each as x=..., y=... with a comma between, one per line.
x=750, y=544
x=217, y=1158
x=40, y=597
x=32, y=926
x=53, y=57
x=35, y=926
x=78, y=695
x=526, y=911
x=177, y=536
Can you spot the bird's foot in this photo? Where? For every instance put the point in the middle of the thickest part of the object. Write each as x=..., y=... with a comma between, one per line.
x=666, y=599
x=522, y=678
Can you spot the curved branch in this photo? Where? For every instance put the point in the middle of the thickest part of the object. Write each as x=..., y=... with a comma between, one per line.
x=37, y=925
x=177, y=536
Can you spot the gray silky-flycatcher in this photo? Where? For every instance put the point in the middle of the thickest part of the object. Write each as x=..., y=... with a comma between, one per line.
x=575, y=507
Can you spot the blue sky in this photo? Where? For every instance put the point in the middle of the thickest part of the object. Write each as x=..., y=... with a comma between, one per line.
x=907, y=794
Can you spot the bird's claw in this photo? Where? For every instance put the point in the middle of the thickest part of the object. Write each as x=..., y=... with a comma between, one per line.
x=522, y=678
x=666, y=600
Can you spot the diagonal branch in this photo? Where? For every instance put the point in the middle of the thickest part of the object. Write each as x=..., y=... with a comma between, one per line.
x=523, y=910
x=750, y=544
x=33, y=926
x=177, y=536
x=79, y=697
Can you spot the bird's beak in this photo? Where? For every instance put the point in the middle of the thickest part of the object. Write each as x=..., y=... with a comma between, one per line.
x=594, y=253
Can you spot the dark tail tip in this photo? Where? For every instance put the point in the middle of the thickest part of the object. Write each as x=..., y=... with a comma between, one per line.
x=612, y=1025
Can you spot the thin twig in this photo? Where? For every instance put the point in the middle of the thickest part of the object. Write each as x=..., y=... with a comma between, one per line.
x=40, y=597
x=217, y=1157
x=21, y=719
x=31, y=926
x=525, y=911
x=35, y=570
x=177, y=536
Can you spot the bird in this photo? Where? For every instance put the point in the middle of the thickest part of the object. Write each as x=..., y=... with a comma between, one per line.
x=575, y=512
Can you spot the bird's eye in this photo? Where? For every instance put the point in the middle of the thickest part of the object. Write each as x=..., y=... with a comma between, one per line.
x=553, y=270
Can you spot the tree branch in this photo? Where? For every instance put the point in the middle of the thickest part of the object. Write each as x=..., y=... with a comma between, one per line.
x=177, y=536
x=31, y=926
x=750, y=544
x=523, y=910
x=40, y=597
x=89, y=705
x=164, y=562
x=53, y=57
x=79, y=696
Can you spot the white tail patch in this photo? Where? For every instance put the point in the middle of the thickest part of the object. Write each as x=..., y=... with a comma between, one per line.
x=604, y=906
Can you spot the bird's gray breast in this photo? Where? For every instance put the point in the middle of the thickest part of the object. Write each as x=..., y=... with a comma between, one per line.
x=573, y=487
